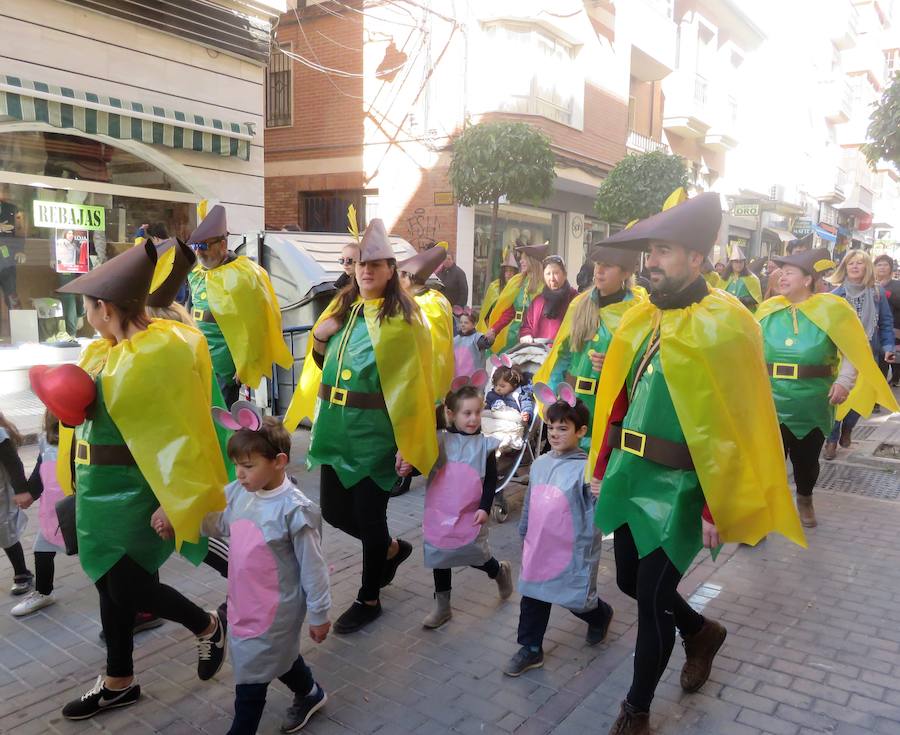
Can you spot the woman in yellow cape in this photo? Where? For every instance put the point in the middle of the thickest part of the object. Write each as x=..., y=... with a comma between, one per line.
x=590, y=322
x=816, y=349
x=437, y=313
x=740, y=281
x=366, y=385
x=507, y=314
x=148, y=465
x=508, y=268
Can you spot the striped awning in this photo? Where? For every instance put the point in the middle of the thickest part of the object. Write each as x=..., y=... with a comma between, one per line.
x=63, y=107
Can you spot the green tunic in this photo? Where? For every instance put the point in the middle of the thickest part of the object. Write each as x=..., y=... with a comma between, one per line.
x=578, y=369
x=223, y=363
x=802, y=404
x=356, y=442
x=113, y=505
x=660, y=505
x=520, y=303
x=738, y=288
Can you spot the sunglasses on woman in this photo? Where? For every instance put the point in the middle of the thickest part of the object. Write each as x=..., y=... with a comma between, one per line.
x=346, y=261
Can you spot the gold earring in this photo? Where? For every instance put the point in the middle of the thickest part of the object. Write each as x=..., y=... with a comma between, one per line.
x=106, y=318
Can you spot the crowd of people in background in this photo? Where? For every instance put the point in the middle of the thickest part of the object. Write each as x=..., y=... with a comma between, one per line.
x=644, y=441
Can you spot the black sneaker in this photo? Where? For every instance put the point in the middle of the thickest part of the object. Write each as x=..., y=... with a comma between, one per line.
x=391, y=565
x=211, y=650
x=597, y=633
x=302, y=709
x=524, y=660
x=22, y=584
x=358, y=615
x=99, y=699
x=401, y=487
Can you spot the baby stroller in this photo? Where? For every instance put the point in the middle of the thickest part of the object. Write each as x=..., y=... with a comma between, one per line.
x=520, y=445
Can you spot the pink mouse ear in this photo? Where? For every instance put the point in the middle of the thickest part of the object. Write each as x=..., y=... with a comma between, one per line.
x=224, y=419
x=566, y=393
x=544, y=393
x=505, y=360
x=247, y=415
x=459, y=382
x=496, y=361
x=479, y=378
x=458, y=310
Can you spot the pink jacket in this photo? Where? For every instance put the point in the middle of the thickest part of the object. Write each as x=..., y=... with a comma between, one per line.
x=536, y=325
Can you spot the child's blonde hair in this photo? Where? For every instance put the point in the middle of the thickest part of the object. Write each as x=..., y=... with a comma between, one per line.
x=174, y=312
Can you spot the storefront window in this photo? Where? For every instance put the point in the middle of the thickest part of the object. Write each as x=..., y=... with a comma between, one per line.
x=55, y=224
x=516, y=224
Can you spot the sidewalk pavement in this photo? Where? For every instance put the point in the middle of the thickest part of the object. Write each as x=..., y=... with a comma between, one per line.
x=813, y=644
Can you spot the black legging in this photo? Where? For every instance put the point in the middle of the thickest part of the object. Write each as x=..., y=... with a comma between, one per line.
x=16, y=556
x=361, y=512
x=44, y=571
x=126, y=588
x=804, y=454
x=443, y=577
x=653, y=582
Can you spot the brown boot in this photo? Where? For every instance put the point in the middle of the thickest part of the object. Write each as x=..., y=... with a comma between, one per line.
x=700, y=649
x=844, y=441
x=830, y=450
x=806, y=511
x=631, y=722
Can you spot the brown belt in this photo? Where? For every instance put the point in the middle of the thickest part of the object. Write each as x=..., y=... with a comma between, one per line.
x=203, y=315
x=662, y=451
x=105, y=454
x=792, y=371
x=351, y=399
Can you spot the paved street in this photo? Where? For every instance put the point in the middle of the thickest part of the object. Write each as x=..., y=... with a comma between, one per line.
x=813, y=645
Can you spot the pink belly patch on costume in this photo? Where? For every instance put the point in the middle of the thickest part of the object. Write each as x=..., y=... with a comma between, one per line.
x=253, y=590
x=550, y=540
x=451, y=500
x=465, y=363
x=52, y=494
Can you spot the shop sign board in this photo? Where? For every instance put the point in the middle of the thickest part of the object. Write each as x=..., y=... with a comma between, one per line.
x=59, y=215
x=802, y=227
x=746, y=210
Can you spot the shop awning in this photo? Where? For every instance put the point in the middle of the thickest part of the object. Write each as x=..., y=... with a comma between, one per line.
x=63, y=108
x=779, y=234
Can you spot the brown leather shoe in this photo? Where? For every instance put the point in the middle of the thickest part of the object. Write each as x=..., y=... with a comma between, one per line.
x=806, y=511
x=830, y=450
x=700, y=650
x=631, y=722
x=844, y=441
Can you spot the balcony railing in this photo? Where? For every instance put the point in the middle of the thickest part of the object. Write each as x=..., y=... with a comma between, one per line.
x=644, y=143
x=701, y=90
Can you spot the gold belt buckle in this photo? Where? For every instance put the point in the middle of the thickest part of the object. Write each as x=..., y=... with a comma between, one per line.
x=585, y=386
x=197, y=314
x=338, y=396
x=518, y=316
x=791, y=373
x=623, y=442
x=82, y=452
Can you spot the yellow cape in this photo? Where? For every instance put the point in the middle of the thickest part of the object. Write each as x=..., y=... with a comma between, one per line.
x=834, y=316
x=750, y=281
x=706, y=350
x=505, y=301
x=403, y=356
x=156, y=387
x=438, y=316
x=714, y=280
x=487, y=304
x=610, y=315
x=243, y=302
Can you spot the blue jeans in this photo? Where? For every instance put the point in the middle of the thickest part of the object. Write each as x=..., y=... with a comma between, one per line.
x=250, y=699
x=850, y=420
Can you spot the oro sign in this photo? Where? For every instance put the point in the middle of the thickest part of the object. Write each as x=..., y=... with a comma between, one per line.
x=59, y=216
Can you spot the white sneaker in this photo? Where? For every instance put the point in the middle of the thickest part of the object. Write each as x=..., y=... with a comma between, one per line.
x=34, y=602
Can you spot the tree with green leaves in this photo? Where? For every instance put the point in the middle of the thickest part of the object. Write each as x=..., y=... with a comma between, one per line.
x=638, y=185
x=884, y=127
x=492, y=160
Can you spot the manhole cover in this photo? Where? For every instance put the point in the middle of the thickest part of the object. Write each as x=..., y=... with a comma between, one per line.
x=842, y=478
x=863, y=432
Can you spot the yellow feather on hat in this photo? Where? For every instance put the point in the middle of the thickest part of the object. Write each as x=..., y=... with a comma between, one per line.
x=353, y=224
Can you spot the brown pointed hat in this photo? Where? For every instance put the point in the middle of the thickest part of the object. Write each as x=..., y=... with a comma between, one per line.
x=375, y=243
x=538, y=252
x=693, y=224
x=124, y=279
x=214, y=224
x=174, y=261
x=814, y=262
x=423, y=264
x=626, y=259
x=509, y=258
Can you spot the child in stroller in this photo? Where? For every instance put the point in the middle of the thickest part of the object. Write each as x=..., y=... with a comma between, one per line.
x=511, y=389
